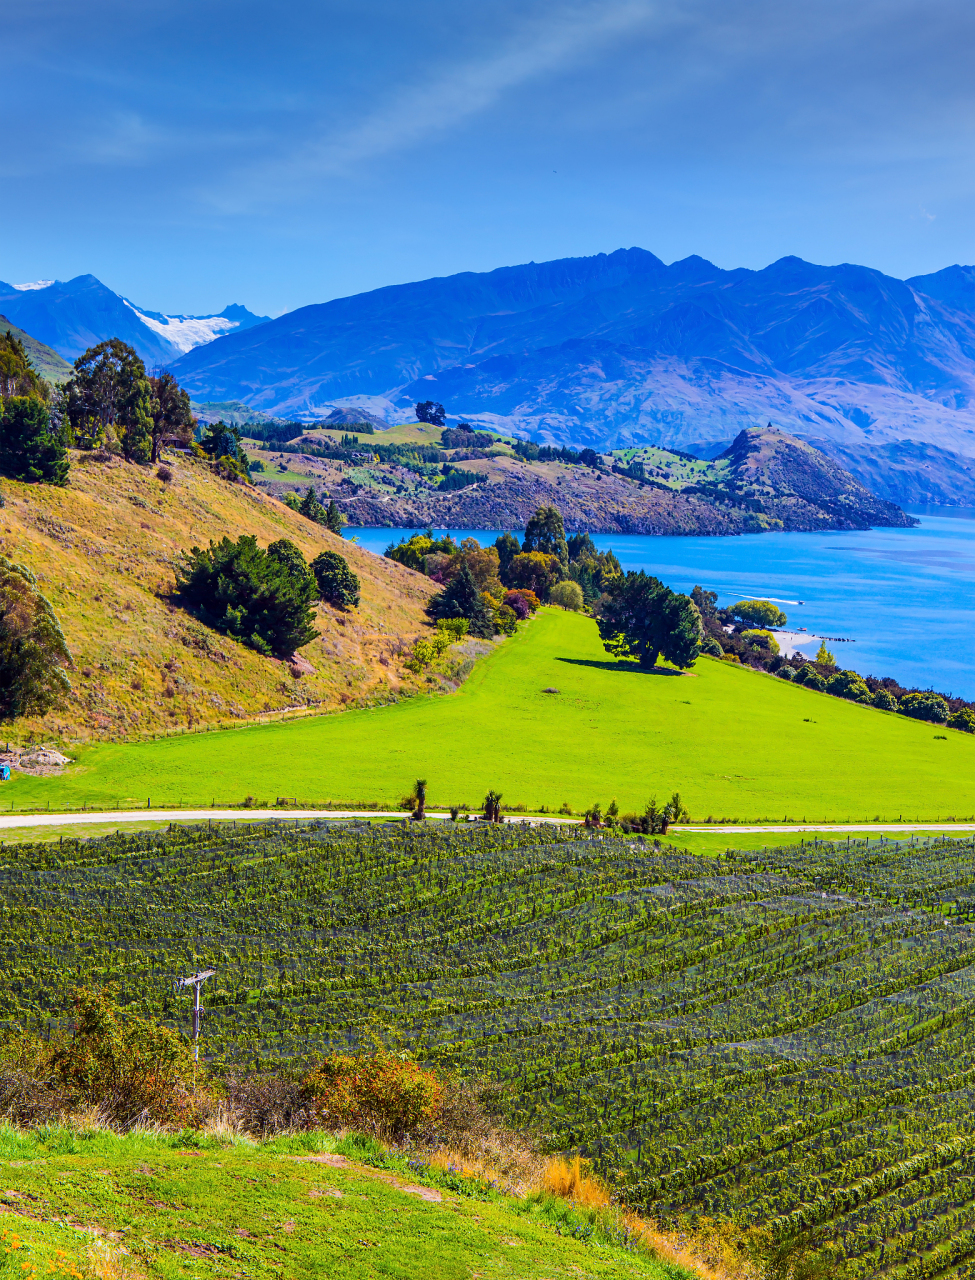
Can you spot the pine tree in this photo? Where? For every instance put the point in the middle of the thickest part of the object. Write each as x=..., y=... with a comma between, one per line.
x=30, y=448
x=644, y=619
x=334, y=520
x=462, y=599
x=33, y=652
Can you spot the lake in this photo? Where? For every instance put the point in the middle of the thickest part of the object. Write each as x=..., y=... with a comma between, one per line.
x=903, y=598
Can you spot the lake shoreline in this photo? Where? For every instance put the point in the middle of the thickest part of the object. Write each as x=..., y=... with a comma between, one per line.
x=885, y=589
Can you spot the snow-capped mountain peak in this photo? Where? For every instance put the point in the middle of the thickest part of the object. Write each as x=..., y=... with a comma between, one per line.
x=185, y=332
x=34, y=284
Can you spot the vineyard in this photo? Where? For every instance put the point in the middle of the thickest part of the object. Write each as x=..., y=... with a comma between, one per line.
x=780, y=1036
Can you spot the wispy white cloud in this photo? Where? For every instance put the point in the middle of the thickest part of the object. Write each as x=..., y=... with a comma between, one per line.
x=549, y=42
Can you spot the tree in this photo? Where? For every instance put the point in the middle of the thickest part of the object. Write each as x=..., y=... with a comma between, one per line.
x=492, y=806
x=706, y=601
x=172, y=418
x=336, y=582
x=581, y=547
x=334, y=519
x=506, y=620
x=762, y=639
x=420, y=796
x=924, y=706
x=221, y=444
x=534, y=571
x=240, y=590
x=849, y=685
x=507, y=547
x=30, y=448
x=18, y=377
x=963, y=719
x=33, y=651
x=291, y=561
x=824, y=657
x=567, y=595
x=546, y=533
x=760, y=613
x=110, y=400
x=462, y=599
x=430, y=411
x=311, y=508
x=643, y=619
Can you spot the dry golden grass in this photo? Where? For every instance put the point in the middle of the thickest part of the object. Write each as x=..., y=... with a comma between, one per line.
x=104, y=549
x=714, y=1253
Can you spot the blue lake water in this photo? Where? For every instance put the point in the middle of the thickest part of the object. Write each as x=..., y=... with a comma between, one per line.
x=904, y=598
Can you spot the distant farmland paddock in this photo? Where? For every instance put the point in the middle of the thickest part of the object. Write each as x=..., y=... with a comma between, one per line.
x=784, y=1036
x=737, y=744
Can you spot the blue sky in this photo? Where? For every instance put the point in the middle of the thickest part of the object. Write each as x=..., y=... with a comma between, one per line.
x=195, y=154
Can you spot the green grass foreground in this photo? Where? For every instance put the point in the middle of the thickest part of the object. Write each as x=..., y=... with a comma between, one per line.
x=97, y=1205
x=737, y=744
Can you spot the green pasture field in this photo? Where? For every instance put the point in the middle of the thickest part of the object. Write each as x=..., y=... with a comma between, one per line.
x=737, y=744
x=94, y=1204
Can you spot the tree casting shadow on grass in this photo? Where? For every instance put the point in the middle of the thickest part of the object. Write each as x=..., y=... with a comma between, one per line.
x=625, y=668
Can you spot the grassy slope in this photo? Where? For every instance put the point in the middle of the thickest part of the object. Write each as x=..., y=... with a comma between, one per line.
x=104, y=550
x=157, y=1209
x=735, y=743
x=45, y=359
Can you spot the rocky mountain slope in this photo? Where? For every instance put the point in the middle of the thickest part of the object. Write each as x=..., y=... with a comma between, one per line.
x=765, y=480
x=621, y=349
x=72, y=315
x=104, y=549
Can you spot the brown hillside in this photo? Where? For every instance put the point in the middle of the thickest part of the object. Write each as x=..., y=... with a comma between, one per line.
x=104, y=550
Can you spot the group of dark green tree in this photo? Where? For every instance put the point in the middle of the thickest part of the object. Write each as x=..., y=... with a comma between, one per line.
x=312, y=508
x=263, y=598
x=741, y=633
x=497, y=586
x=110, y=404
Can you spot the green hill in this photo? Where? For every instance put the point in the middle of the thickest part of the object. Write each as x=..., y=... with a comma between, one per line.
x=547, y=719
x=45, y=360
x=92, y=1204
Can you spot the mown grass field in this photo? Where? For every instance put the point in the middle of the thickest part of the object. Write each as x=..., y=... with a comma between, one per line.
x=736, y=744
x=82, y=1205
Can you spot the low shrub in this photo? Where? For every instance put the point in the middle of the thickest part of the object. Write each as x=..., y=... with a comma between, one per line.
x=924, y=706
x=963, y=720
x=786, y=673
x=523, y=602
x=130, y=1069
x=387, y=1094
x=761, y=640
x=884, y=701
x=337, y=584
x=847, y=684
x=811, y=678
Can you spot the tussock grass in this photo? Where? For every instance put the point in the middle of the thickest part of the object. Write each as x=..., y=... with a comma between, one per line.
x=104, y=550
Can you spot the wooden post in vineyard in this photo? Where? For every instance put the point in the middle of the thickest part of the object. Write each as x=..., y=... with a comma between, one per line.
x=196, y=982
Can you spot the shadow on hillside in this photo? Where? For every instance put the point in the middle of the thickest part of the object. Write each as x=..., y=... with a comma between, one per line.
x=624, y=668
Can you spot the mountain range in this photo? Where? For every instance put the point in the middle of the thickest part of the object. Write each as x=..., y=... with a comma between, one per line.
x=621, y=349
x=73, y=315
x=611, y=351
